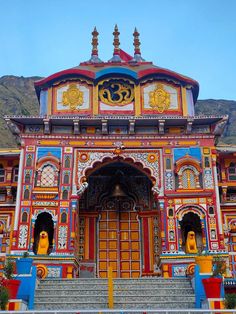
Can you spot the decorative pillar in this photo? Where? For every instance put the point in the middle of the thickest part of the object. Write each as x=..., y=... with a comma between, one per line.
x=224, y=194
x=9, y=198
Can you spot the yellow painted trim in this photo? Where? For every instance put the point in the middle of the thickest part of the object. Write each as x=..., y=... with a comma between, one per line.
x=103, y=143
x=80, y=143
x=95, y=100
x=158, y=144
x=187, y=142
x=110, y=289
x=184, y=101
x=9, y=150
x=132, y=143
x=49, y=111
x=187, y=256
x=49, y=142
x=137, y=100
x=227, y=184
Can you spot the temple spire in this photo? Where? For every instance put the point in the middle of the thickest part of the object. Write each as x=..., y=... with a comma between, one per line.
x=137, y=52
x=94, y=55
x=116, y=43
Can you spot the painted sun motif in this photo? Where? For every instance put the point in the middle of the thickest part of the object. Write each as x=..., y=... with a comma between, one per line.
x=83, y=157
x=152, y=158
x=73, y=97
x=159, y=99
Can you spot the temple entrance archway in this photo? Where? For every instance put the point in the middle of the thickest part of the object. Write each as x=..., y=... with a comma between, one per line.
x=116, y=226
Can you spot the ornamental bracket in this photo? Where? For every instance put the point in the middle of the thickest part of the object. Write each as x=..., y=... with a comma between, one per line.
x=161, y=124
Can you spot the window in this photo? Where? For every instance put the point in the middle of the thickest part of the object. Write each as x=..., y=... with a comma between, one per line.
x=26, y=194
x=232, y=172
x=170, y=212
x=168, y=163
x=15, y=174
x=2, y=174
x=67, y=161
x=24, y=217
x=66, y=178
x=63, y=217
x=207, y=162
x=29, y=160
x=211, y=210
x=65, y=195
x=48, y=176
x=188, y=179
x=188, y=170
x=27, y=177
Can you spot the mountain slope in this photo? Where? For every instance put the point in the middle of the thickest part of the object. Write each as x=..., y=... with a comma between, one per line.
x=17, y=97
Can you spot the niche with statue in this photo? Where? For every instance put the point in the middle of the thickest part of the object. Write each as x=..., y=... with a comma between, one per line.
x=191, y=232
x=43, y=234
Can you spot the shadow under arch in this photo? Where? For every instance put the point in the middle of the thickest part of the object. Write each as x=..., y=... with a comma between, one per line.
x=106, y=161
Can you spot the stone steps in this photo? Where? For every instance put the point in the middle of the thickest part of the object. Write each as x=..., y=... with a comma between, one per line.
x=141, y=293
x=134, y=292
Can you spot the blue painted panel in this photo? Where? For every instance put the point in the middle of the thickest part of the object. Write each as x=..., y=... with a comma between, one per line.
x=43, y=151
x=191, y=151
x=117, y=70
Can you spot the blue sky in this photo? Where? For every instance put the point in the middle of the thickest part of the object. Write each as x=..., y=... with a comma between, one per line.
x=196, y=38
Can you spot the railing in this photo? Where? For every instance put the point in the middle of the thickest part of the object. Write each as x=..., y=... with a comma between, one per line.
x=120, y=311
x=110, y=289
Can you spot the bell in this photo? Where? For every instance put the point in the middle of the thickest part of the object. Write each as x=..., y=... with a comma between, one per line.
x=118, y=191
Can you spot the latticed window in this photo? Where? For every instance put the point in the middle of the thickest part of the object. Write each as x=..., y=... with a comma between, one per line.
x=188, y=179
x=232, y=171
x=48, y=176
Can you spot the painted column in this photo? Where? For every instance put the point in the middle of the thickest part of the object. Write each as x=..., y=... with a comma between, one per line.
x=217, y=203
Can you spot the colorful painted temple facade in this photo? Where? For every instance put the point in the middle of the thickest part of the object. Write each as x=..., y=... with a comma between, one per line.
x=117, y=170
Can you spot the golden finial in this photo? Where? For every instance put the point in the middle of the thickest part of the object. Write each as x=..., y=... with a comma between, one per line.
x=95, y=42
x=116, y=44
x=94, y=55
x=137, y=52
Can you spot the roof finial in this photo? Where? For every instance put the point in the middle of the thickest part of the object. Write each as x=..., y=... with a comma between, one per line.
x=137, y=52
x=94, y=55
x=116, y=44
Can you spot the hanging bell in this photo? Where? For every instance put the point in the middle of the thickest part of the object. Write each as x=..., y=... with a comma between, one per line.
x=117, y=192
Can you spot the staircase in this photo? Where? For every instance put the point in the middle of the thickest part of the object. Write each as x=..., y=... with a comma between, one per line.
x=141, y=293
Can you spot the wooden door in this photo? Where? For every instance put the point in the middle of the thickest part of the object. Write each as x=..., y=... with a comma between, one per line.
x=119, y=239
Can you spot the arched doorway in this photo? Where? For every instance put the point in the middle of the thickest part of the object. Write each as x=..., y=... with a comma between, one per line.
x=113, y=208
x=191, y=222
x=43, y=222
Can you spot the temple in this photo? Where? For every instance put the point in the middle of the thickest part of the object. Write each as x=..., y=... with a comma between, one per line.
x=117, y=170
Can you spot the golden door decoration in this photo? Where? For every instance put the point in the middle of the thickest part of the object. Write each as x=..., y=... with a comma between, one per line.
x=119, y=239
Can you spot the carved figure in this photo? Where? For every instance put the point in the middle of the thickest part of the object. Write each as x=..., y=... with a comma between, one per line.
x=191, y=245
x=43, y=244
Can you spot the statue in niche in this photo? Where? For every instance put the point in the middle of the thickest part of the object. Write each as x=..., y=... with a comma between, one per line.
x=43, y=243
x=191, y=245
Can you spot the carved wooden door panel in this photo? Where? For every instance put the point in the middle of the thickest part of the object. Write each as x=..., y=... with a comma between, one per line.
x=119, y=239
